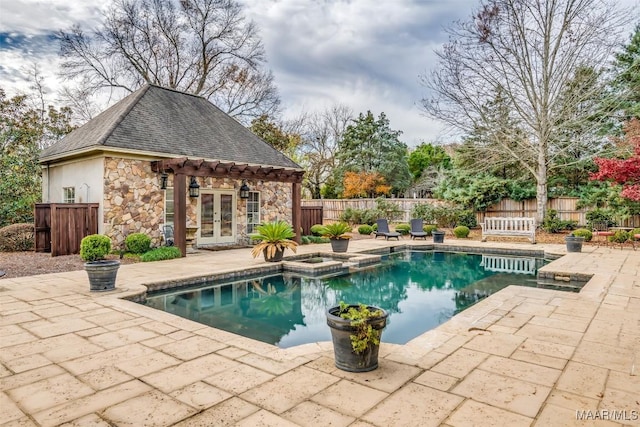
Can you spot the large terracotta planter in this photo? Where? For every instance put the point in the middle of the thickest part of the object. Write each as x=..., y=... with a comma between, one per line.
x=102, y=274
x=341, y=331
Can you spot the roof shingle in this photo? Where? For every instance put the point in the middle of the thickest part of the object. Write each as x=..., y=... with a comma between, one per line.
x=170, y=123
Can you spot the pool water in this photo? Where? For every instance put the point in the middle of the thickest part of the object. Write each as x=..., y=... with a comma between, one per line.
x=419, y=289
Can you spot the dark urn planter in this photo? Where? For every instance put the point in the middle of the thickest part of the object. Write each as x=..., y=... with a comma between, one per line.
x=102, y=274
x=276, y=257
x=341, y=331
x=438, y=236
x=339, y=245
x=574, y=243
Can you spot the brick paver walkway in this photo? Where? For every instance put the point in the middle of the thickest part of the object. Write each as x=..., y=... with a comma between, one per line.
x=523, y=356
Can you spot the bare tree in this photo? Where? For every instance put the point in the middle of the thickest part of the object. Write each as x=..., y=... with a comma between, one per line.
x=320, y=143
x=534, y=53
x=204, y=47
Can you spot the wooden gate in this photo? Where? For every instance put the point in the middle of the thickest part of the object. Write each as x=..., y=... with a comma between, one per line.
x=60, y=227
x=311, y=215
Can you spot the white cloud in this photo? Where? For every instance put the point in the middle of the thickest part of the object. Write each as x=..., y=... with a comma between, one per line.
x=366, y=54
x=44, y=17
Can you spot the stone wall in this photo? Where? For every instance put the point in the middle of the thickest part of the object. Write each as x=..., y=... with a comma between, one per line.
x=134, y=202
x=275, y=202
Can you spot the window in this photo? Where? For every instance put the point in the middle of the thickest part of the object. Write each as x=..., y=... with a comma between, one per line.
x=68, y=194
x=168, y=206
x=253, y=211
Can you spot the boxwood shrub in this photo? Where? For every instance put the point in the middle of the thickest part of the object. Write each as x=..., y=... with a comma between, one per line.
x=461, y=232
x=620, y=236
x=429, y=228
x=365, y=229
x=17, y=237
x=138, y=243
x=94, y=247
x=403, y=229
x=161, y=253
x=583, y=232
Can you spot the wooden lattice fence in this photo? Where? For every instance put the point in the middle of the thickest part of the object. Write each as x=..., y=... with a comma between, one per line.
x=566, y=207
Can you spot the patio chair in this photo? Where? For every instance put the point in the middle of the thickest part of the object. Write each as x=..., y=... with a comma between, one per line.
x=417, y=229
x=383, y=230
x=167, y=233
x=601, y=233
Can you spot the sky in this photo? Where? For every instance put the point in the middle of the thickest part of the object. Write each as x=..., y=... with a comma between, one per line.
x=366, y=54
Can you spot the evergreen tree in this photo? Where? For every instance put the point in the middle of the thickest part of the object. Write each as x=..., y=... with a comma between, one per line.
x=23, y=132
x=370, y=145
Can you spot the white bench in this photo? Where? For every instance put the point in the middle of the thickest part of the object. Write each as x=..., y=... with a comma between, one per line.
x=515, y=227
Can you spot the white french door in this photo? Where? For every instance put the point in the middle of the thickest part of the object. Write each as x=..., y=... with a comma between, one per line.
x=217, y=217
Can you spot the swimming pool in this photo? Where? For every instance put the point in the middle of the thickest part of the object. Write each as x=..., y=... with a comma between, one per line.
x=420, y=290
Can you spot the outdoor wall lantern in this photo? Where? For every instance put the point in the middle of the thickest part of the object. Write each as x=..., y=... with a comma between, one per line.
x=194, y=188
x=244, y=190
x=164, y=179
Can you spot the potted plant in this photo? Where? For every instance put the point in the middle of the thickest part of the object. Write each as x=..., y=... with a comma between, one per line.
x=274, y=237
x=356, y=331
x=575, y=239
x=336, y=232
x=102, y=272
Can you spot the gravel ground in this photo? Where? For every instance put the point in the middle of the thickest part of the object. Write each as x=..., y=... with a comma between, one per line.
x=17, y=264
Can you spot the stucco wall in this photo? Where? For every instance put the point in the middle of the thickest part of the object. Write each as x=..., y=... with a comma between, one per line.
x=78, y=174
x=85, y=175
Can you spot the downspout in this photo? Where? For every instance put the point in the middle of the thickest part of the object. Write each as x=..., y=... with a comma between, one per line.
x=48, y=183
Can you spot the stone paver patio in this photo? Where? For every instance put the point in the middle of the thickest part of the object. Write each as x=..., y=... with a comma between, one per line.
x=523, y=356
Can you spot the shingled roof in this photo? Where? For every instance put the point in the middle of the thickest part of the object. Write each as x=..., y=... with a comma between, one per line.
x=156, y=120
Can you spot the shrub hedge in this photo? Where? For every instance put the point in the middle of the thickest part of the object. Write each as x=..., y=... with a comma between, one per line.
x=17, y=237
x=403, y=229
x=365, y=229
x=583, y=232
x=461, y=232
x=138, y=243
x=94, y=247
x=161, y=253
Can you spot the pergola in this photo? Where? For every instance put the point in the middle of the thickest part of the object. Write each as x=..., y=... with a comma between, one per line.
x=183, y=167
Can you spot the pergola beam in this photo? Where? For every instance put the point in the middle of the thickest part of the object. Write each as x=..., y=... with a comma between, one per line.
x=219, y=169
x=183, y=167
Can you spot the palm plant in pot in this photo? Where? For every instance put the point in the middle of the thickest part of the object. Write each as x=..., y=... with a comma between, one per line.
x=355, y=332
x=101, y=271
x=337, y=234
x=274, y=237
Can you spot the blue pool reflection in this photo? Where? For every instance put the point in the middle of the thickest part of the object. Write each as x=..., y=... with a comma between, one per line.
x=420, y=290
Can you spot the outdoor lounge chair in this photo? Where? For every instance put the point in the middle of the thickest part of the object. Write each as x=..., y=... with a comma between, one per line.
x=167, y=233
x=383, y=230
x=417, y=229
